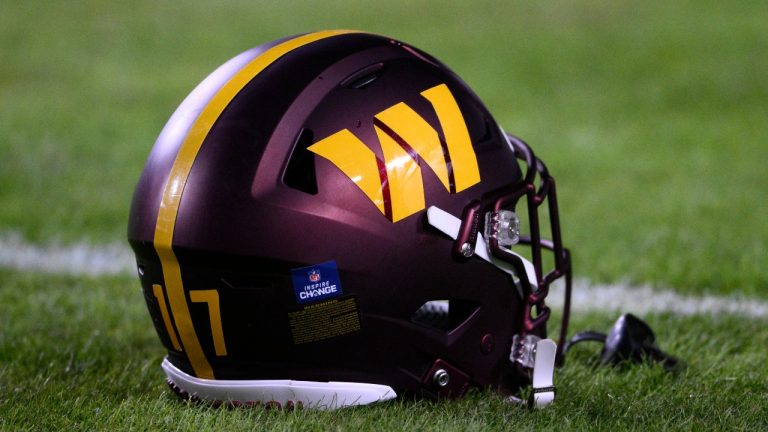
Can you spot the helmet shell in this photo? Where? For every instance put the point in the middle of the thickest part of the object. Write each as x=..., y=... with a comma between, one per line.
x=253, y=205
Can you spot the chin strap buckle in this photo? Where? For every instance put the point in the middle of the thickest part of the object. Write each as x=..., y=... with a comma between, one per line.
x=538, y=354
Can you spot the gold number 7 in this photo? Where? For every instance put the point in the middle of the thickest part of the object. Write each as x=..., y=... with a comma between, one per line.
x=214, y=314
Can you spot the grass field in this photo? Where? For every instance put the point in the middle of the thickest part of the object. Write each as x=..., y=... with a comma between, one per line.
x=652, y=116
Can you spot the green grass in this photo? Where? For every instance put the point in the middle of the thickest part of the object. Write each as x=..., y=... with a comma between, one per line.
x=97, y=367
x=651, y=115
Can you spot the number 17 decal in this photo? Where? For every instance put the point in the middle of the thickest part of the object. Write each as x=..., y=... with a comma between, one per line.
x=211, y=297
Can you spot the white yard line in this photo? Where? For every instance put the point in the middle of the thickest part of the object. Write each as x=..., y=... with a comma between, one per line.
x=73, y=259
x=116, y=258
x=642, y=299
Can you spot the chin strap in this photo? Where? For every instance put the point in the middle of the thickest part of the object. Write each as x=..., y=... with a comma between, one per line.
x=630, y=339
x=529, y=351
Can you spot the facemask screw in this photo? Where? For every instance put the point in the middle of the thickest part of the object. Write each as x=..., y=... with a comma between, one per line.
x=466, y=250
x=441, y=378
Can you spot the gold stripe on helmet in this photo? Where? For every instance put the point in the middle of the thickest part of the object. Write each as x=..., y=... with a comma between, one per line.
x=174, y=188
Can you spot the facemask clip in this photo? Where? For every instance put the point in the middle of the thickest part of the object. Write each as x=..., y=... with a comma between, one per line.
x=504, y=226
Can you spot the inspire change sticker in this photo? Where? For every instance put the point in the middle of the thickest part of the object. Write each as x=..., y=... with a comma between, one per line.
x=317, y=282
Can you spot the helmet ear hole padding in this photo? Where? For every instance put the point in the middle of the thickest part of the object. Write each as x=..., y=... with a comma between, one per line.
x=445, y=315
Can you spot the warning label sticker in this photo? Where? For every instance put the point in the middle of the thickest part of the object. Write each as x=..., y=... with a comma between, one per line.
x=324, y=320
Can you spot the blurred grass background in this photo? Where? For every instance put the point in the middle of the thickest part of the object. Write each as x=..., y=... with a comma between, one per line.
x=651, y=115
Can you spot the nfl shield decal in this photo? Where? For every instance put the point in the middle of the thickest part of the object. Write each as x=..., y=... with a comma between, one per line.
x=317, y=282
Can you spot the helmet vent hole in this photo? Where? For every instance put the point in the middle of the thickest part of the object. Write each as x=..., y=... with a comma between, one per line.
x=363, y=77
x=300, y=172
x=445, y=315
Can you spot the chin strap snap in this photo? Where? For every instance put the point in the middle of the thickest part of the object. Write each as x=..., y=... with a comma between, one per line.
x=543, y=373
x=531, y=352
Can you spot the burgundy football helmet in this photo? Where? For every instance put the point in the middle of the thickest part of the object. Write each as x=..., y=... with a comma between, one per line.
x=331, y=218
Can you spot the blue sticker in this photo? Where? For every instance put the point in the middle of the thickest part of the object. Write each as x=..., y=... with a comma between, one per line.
x=317, y=282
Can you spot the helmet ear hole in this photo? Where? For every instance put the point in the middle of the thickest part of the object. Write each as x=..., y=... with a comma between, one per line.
x=445, y=315
x=300, y=171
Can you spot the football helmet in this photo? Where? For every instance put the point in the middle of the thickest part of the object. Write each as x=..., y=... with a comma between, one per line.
x=333, y=218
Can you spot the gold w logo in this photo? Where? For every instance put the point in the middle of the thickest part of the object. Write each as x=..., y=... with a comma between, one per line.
x=395, y=185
